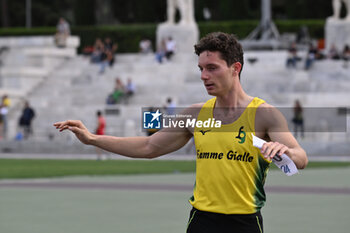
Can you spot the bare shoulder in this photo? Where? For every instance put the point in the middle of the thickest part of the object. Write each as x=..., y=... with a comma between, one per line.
x=193, y=109
x=268, y=118
x=269, y=113
x=197, y=105
x=190, y=113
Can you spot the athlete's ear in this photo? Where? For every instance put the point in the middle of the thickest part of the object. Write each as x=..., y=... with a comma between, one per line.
x=237, y=66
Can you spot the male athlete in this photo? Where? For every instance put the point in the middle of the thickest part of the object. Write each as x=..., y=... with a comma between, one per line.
x=230, y=172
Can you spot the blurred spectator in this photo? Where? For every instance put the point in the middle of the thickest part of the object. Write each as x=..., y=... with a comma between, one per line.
x=333, y=53
x=88, y=50
x=100, y=130
x=109, y=57
x=170, y=46
x=119, y=89
x=108, y=48
x=109, y=45
x=103, y=59
x=4, y=106
x=62, y=32
x=118, y=92
x=129, y=90
x=321, y=45
x=101, y=123
x=145, y=46
x=311, y=56
x=346, y=55
x=160, y=54
x=292, y=56
x=298, y=119
x=97, y=51
x=25, y=121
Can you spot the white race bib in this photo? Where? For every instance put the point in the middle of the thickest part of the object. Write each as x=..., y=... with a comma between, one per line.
x=283, y=162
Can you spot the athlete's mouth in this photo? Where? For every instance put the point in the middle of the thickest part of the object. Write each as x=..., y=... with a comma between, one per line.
x=209, y=85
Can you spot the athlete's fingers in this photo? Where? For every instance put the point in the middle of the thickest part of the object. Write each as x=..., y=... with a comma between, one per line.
x=283, y=150
x=277, y=149
x=75, y=129
x=63, y=128
x=274, y=148
x=266, y=149
x=263, y=148
x=58, y=124
x=76, y=123
x=270, y=149
x=62, y=125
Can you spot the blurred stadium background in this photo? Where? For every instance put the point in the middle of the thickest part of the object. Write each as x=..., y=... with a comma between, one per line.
x=62, y=83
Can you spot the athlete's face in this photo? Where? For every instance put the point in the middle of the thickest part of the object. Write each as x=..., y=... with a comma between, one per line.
x=215, y=74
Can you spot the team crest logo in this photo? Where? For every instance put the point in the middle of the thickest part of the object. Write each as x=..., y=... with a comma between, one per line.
x=152, y=120
x=241, y=135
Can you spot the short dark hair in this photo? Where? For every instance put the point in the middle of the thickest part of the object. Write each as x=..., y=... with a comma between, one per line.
x=227, y=44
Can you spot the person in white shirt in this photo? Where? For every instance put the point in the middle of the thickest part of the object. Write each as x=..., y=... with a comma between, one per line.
x=170, y=47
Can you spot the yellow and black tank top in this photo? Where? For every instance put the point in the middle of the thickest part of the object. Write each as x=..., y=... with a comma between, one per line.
x=230, y=171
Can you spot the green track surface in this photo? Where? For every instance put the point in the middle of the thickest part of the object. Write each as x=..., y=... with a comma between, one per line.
x=37, y=168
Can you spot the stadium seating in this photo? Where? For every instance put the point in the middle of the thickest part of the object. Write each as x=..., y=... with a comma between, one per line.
x=72, y=88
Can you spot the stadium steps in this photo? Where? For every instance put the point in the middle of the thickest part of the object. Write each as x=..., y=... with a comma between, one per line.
x=75, y=91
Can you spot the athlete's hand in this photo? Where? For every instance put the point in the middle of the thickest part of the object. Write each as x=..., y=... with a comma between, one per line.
x=77, y=127
x=270, y=149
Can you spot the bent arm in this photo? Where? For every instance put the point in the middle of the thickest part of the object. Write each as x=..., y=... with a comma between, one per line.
x=273, y=123
x=293, y=150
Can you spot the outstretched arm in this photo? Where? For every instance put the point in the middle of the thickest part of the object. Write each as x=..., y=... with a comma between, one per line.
x=158, y=144
x=273, y=124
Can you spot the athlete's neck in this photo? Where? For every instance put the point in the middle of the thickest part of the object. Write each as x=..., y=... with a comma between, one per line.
x=235, y=98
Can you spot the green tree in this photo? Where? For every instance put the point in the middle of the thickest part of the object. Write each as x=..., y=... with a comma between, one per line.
x=228, y=9
x=84, y=12
x=44, y=13
x=146, y=11
x=300, y=9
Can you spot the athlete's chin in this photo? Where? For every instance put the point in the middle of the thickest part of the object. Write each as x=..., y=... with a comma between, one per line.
x=212, y=92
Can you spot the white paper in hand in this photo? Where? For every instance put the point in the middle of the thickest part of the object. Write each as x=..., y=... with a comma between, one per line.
x=283, y=162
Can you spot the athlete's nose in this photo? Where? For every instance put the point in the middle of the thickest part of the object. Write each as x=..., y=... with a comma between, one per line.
x=204, y=75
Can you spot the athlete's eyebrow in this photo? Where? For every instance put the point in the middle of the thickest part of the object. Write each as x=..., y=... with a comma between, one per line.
x=210, y=64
